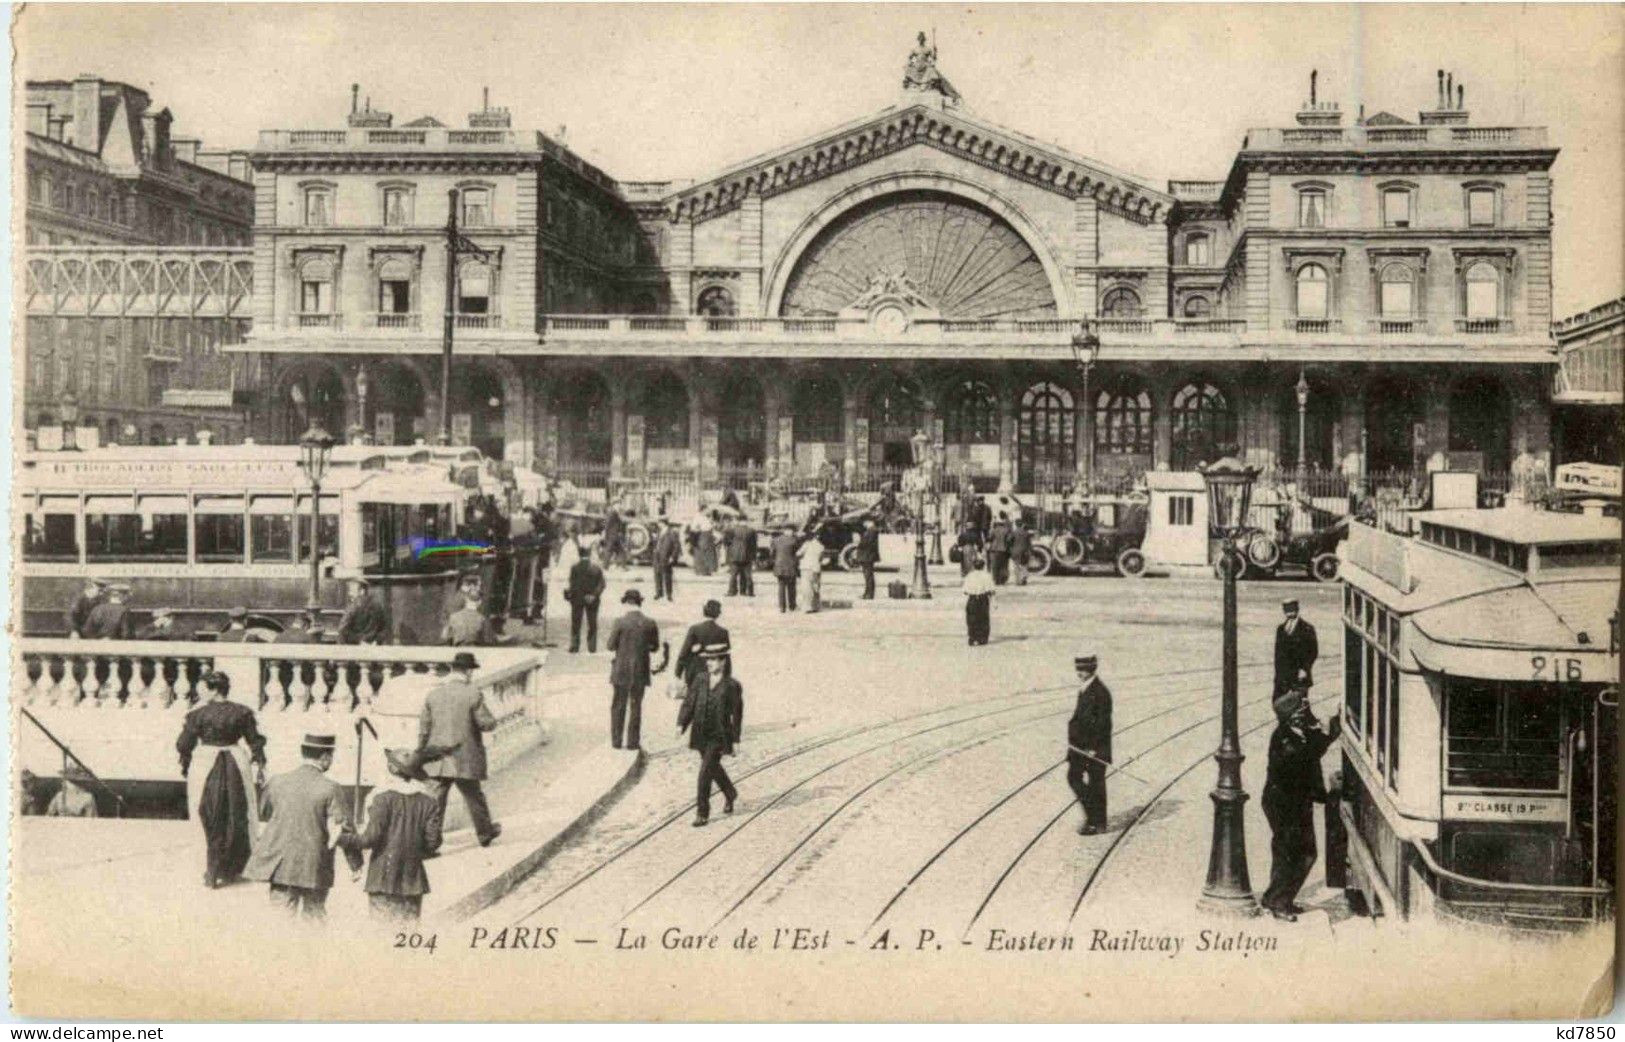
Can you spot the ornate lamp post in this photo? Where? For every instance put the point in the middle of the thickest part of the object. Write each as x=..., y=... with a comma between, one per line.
x=939, y=462
x=362, y=383
x=1086, y=352
x=69, y=408
x=1302, y=390
x=1228, y=890
x=920, y=587
x=315, y=445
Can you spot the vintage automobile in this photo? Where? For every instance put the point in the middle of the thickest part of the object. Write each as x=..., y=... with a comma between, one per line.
x=1100, y=529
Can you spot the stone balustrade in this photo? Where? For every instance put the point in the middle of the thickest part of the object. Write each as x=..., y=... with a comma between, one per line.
x=119, y=704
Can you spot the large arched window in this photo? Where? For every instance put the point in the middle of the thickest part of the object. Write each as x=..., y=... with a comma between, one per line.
x=1397, y=291
x=715, y=302
x=1123, y=422
x=665, y=413
x=819, y=411
x=1203, y=426
x=972, y=416
x=1483, y=291
x=1198, y=306
x=1046, y=439
x=1313, y=296
x=894, y=410
x=1120, y=303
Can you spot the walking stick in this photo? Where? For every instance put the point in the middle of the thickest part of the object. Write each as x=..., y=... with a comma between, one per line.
x=360, y=743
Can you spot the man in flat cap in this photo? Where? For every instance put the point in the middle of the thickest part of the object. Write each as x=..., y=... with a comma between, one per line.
x=1296, y=648
x=78, y=614
x=402, y=828
x=713, y=714
x=366, y=620
x=110, y=620
x=632, y=639
x=295, y=852
x=1089, y=744
x=455, y=717
x=1292, y=787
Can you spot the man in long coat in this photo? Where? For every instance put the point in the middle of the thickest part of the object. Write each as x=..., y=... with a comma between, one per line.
x=706, y=631
x=741, y=547
x=784, y=569
x=1296, y=648
x=455, y=716
x=1089, y=744
x=632, y=639
x=294, y=853
x=79, y=613
x=713, y=713
x=998, y=552
x=1292, y=786
x=585, y=588
x=668, y=550
x=365, y=619
x=867, y=555
x=110, y=620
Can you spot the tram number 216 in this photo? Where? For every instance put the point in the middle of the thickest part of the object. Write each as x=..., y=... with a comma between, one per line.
x=1562, y=670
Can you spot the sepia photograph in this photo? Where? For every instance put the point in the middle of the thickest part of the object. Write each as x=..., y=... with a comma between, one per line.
x=900, y=513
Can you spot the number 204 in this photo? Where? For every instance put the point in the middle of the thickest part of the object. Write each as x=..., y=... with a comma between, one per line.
x=1563, y=670
x=416, y=941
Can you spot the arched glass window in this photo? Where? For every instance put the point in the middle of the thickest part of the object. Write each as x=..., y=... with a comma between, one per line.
x=1313, y=296
x=1198, y=250
x=1198, y=307
x=394, y=288
x=1120, y=303
x=1483, y=291
x=665, y=413
x=819, y=416
x=1203, y=426
x=1397, y=285
x=316, y=287
x=973, y=415
x=715, y=302
x=1123, y=422
x=741, y=423
x=1046, y=438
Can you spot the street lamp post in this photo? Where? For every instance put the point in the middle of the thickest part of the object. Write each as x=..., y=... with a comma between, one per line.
x=1302, y=390
x=920, y=587
x=1086, y=352
x=939, y=458
x=362, y=382
x=315, y=445
x=1228, y=890
x=69, y=409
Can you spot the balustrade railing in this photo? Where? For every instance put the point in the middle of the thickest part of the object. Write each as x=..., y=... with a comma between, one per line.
x=325, y=320
x=396, y=320
x=1483, y=325
x=478, y=321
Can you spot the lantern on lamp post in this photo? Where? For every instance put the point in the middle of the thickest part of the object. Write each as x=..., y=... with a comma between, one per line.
x=1228, y=890
x=1086, y=352
x=1302, y=390
x=939, y=462
x=919, y=446
x=362, y=383
x=315, y=446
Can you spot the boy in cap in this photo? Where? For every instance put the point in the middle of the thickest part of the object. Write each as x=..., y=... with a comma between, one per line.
x=295, y=852
x=1296, y=648
x=1089, y=745
x=403, y=828
x=94, y=593
x=713, y=713
x=1292, y=787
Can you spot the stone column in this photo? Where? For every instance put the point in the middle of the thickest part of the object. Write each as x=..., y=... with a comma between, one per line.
x=1007, y=437
x=1352, y=421
x=681, y=265
x=1161, y=389
x=749, y=300
x=617, y=430
x=1085, y=255
x=1435, y=391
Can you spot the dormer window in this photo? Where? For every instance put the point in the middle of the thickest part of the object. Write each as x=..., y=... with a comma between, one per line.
x=476, y=207
x=1198, y=250
x=1396, y=207
x=318, y=207
x=1311, y=207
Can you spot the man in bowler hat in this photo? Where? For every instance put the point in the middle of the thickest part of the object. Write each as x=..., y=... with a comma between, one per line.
x=713, y=714
x=1292, y=787
x=585, y=589
x=1089, y=744
x=706, y=631
x=632, y=639
x=1296, y=648
x=295, y=852
x=668, y=550
x=455, y=717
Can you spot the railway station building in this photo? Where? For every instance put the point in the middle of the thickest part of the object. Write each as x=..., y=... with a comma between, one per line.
x=1361, y=296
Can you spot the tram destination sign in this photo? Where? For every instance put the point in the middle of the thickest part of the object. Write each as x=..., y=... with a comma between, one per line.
x=1490, y=807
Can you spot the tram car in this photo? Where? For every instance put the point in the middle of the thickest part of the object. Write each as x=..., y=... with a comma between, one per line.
x=1479, y=743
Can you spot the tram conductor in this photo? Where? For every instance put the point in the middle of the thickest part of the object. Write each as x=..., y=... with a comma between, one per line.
x=1089, y=745
x=1296, y=648
x=1292, y=787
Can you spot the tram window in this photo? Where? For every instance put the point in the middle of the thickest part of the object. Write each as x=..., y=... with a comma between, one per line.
x=369, y=528
x=49, y=537
x=327, y=537
x=1502, y=736
x=1352, y=692
x=1393, y=634
x=1580, y=555
x=1369, y=678
x=272, y=538
x=220, y=538
x=1380, y=695
x=135, y=537
x=1393, y=722
x=1181, y=510
x=1369, y=617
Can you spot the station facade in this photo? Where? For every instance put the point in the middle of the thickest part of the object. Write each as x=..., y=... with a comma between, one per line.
x=1379, y=284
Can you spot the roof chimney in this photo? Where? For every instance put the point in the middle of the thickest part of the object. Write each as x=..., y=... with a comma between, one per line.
x=355, y=97
x=87, y=113
x=487, y=117
x=1314, y=74
x=366, y=116
x=1447, y=114
x=1317, y=113
x=1439, y=97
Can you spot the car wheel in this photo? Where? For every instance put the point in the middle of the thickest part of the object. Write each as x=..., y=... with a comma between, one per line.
x=1131, y=563
x=1068, y=550
x=849, y=557
x=1324, y=568
x=1040, y=560
x=1263, y=551
x=637, y=539
x=1228, y=563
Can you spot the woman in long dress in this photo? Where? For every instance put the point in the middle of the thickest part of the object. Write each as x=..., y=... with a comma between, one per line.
x=705, y=548
x=218, y=786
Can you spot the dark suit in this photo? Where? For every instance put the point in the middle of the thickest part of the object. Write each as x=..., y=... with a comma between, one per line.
x=1090, y=730
x=668, y=550
x=367, y=622
x=293, y=853
x=633, y=638
x=79, y=614
x=706, y=631
x=784, y=569
x=714, y=717
x=1292, y=787
x=468, y=628
x=1295, y=652
x=868, y=555
x=455, y=716
x=107, y=621
x=998, y=553
x=402, y=827
x=585, y=588
x=741, y=547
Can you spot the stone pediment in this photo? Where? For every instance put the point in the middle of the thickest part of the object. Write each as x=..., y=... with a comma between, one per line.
x=951, y=131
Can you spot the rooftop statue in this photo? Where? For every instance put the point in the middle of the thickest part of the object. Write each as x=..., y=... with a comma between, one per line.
x=922, y=75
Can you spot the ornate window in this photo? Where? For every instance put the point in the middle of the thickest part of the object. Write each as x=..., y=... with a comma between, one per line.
x=894, y=410
x=1121, y=302
x=1313, y=295
x=397, y=205
x=316, y=277
x=1046, y=436
x=1483, y=205
x=973, y=415
x=318, y=206
x=715, y=302
x=1123, y=422
x=1203, y=425
x=819, y=413
x=475, y=288
x=1396, y=288
x=395, y=287
x=1312, y=206
x=475, y=204
x=1198, y=306
x=1198, y=249
x=1396, y=207
x=1483, y=291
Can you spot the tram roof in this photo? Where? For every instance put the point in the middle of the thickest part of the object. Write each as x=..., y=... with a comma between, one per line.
x=1526, y=527
x=1546, y=615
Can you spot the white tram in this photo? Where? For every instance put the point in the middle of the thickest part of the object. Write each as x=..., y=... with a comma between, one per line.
x=1481, y=666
